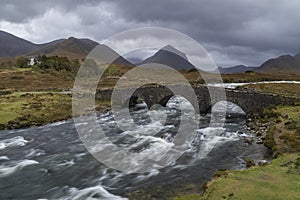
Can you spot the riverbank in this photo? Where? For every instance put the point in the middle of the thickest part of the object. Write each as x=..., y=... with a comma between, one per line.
x=278, y=180
x=279, y=130
x=281, y=88
x=26, y=109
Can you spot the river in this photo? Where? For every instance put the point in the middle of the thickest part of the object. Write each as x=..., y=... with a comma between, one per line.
x=50, y=162
x=234, y=85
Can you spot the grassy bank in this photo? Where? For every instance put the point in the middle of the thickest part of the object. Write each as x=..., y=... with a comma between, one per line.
x=24, y=109
x=286, y=89
x=278, y=180
x=283, y=136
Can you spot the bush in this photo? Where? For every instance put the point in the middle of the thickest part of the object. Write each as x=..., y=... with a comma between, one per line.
x=270, y=113
x=56, y=63
x=22, y=62
x=269, y=141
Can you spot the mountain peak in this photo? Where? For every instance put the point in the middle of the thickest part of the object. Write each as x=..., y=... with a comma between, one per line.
x=285, y=57
x=172, y=49
x=72, y=48
x=73, y=39
x=169, y=48
x=170, y=56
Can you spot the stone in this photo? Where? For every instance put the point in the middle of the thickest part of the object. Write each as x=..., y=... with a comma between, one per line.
x=262, y=163
x=275, y=154
x=2, y=126
x=248, y=141
x=258, y=134
x=284, y=115
x=249, y=163
x=259, y=141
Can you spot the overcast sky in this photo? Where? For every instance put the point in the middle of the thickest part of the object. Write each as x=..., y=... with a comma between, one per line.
x=232, y=31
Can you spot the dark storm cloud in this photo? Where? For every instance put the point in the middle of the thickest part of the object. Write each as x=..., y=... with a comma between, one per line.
x=232, y=31
x=261, y=25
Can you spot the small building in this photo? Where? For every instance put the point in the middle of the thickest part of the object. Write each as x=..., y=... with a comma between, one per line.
x=31, y=61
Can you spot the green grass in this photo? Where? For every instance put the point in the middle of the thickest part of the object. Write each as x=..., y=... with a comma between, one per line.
x=8, y=111
x=278, y=180
x=293, y=112
x=24, y=109
x=34, y=108
x=189, y=197
x=283, y=134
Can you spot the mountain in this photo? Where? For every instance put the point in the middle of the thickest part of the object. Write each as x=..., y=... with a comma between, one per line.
x=72, y=48
x=282, y=64
x=106, y=55
x=171, y=57
x=135, y=60
x=12, y=46
x=235, y=69
x=297, y=56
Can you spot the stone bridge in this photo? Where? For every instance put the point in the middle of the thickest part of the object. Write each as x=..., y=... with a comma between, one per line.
x=251, y=102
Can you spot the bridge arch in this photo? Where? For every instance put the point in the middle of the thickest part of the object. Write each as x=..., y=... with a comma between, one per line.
x=250, y=102
x=164, y=101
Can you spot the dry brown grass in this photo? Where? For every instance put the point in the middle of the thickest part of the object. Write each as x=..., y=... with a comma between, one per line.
x=31, y=80
x=287, y=89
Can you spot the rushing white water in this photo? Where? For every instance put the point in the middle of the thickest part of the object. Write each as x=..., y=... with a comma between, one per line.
x=234, y=85
x=6, y=171
x=4, y=158
x=90, y=193
x=13, y=142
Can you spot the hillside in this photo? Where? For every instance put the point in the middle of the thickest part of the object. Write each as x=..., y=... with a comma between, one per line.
x=107, y=54
x=283, y=64
x=72, y=48
x=297, y=56
x=12, y=46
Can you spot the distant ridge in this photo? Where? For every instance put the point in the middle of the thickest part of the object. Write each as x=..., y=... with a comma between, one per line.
x=282, y=64
x=235, y=69
x=285, y=64
x=73, y=48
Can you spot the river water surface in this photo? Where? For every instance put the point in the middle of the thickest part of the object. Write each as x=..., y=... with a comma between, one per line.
x=50, y=162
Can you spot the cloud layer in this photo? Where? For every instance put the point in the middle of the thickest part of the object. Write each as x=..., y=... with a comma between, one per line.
x=232, y=31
